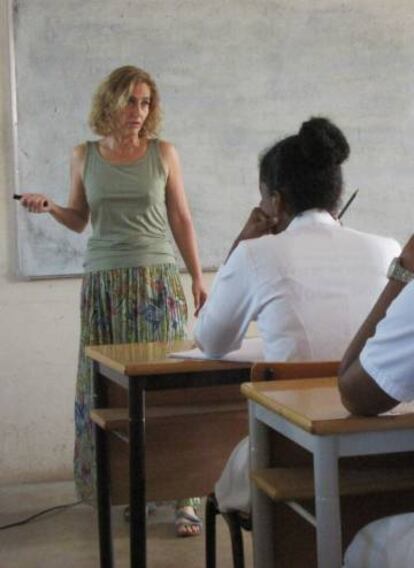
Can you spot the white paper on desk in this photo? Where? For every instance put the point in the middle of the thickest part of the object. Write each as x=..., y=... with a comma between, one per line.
x=251, y=351
x=402, y=408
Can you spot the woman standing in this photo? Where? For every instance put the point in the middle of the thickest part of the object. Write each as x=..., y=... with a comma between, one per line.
x=129, y=183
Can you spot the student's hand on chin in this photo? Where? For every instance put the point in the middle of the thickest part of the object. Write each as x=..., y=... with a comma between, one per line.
x=257, y=225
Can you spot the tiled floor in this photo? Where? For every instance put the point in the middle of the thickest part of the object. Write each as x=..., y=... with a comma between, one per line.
x=68, y=539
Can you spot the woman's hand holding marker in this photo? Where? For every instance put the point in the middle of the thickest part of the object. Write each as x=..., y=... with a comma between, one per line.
x=35, y=202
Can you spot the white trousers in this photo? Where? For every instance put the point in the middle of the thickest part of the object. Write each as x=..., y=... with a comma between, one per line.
x=385, y=543
x=233, y=488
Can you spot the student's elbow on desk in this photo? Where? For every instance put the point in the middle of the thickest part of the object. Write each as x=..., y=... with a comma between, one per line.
x=212, y=344
x=210, y=348
x=352, y=405
x=358, y=407
x=361, y=395
x=351, y=398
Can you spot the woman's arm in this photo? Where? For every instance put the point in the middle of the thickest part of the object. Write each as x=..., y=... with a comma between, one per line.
x=359, y=391
x=75, y=215
x=179, y=218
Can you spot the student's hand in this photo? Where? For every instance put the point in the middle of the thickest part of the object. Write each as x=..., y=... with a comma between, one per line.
x=36, y=202
x=199, y=295
x=257, y=225
x=407, y=255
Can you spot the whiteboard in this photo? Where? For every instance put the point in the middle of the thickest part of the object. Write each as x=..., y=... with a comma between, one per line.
x=234, y=76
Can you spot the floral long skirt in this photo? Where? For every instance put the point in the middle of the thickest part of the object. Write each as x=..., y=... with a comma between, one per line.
x=125, y=305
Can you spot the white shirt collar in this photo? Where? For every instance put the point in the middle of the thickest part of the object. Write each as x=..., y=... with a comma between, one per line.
x=312, y=217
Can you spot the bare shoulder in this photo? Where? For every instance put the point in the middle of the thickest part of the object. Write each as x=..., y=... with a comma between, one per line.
x=169, y=157
x=168, y=151
x=77, y=165
x=79, y=152
x=77, y=160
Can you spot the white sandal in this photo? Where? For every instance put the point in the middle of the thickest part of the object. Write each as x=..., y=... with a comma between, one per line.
x=183, y=520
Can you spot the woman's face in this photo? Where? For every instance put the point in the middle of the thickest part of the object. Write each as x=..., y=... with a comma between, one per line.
x=131, y=118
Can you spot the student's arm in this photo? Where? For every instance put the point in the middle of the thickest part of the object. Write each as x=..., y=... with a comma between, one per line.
x=231, y=306
x=179, y=218
x=75, y=215
x=360, y=393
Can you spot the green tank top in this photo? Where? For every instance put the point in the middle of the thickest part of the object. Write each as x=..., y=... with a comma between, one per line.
x=128, y=211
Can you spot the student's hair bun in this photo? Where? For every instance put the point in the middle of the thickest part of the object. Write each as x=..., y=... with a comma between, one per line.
x=322, y=144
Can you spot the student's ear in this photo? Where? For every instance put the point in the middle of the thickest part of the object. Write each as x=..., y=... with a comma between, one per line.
x=280, y=212
x=277, y=202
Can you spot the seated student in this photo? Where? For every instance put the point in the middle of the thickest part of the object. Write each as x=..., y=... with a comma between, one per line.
x=307, y=280
x=377, y=372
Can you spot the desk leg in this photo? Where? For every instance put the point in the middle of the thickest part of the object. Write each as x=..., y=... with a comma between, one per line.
x=328, y=516
x=137, y=500
x=102, y=479
x=262, y=510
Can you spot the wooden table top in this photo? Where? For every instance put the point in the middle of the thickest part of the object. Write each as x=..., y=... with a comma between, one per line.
x=153, y=358
x=315, y=406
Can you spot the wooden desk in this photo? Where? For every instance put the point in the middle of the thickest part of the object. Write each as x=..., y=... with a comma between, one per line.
x=139, y=368
x=310, y=413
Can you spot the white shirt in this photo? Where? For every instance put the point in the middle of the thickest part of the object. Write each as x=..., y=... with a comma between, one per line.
x=309, y=288
x=388, y=357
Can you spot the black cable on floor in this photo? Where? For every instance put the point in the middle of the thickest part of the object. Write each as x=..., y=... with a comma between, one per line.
x=28, y=519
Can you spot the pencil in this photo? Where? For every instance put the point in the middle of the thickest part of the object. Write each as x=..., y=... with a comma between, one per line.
x=348, y=203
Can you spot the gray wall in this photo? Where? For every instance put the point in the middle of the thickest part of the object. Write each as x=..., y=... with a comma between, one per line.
x=234, y=75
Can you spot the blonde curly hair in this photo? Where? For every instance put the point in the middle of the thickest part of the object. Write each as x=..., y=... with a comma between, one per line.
x=113, y=94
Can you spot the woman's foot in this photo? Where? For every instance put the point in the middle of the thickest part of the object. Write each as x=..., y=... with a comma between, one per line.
x=187, y=523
